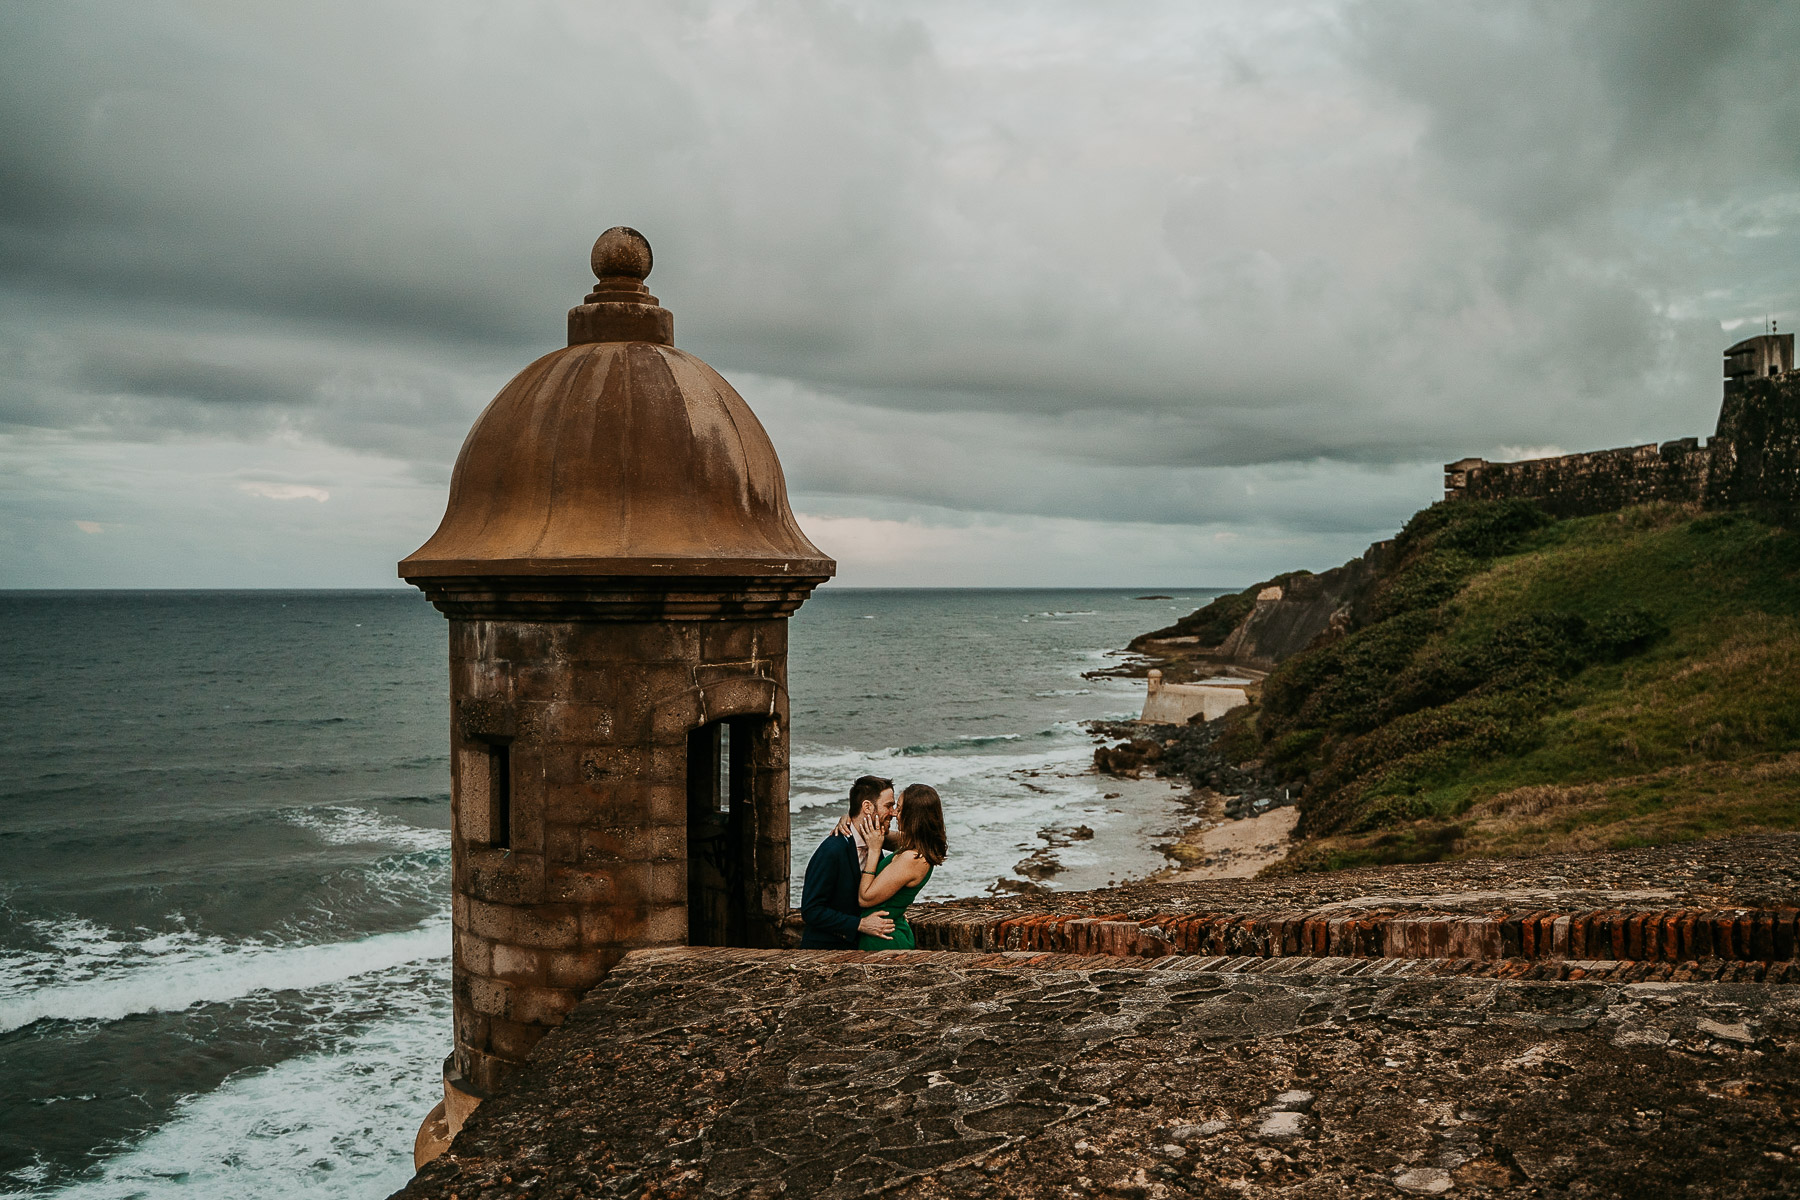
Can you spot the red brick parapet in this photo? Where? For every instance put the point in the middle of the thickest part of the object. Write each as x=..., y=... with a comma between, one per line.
x=1668, y=936
x=1712, y=970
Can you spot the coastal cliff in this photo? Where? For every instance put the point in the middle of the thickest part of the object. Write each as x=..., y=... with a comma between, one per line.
x=1495, y=681
x=1270, y=621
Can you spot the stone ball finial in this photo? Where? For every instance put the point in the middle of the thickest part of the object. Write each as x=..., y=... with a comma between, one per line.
x=621, y=250
x=621, y=308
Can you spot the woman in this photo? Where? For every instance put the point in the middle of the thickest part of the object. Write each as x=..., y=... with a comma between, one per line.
x=889, y=882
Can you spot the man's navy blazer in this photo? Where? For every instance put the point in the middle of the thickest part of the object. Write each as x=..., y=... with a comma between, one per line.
x=828, y=898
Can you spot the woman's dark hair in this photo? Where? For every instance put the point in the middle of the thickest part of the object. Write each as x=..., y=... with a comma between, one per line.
x=867, y=790
x=922, y=823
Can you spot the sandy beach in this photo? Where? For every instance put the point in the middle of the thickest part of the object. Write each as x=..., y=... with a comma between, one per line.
x=1215, y=847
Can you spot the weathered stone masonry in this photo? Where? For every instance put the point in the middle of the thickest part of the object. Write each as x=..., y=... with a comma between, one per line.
x=1753, y=457
x=931, y=1076
x=1474, y=1028
x=1673, y=936
x=596, y=718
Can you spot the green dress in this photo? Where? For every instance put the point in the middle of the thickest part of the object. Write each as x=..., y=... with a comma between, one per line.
x=895, y=907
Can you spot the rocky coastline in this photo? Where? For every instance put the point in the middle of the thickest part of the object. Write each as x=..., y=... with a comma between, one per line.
x=1238, y=815
x=1247, y=634
x=1496, y=682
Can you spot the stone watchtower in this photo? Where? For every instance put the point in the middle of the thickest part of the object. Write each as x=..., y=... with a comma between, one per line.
x=1759, y=357
x=618, y=562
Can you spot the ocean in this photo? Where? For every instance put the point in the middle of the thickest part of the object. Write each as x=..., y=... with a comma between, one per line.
x=224, y=857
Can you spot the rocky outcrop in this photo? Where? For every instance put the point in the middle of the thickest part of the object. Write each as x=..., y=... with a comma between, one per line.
x=1259, y=627
x=1190, y=752
x=1130, y=759
x=1287, y=619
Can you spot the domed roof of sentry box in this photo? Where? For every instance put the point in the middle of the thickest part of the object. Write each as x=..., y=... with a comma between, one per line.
x=618, y=455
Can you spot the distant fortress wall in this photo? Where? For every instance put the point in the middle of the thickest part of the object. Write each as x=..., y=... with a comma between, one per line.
x=1752, y=458
x=1757, y=448
x=1599, y=481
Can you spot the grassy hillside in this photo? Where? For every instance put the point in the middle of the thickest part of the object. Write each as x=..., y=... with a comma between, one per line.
x=1526, y=685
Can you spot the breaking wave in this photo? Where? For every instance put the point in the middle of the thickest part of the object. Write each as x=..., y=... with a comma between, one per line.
x=338, y=1122
x=172, y=972
x=75, y=969
x=348, y=825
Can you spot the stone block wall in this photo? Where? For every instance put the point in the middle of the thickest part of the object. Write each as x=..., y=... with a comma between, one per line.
x=1578, y=485
x=1760, y=423
x=589, y=723
x=1752, y=459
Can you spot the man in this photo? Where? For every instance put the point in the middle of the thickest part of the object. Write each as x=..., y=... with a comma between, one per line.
x=828, y=899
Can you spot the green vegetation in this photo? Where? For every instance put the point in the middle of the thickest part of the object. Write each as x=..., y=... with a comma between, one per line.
x=1524, y=685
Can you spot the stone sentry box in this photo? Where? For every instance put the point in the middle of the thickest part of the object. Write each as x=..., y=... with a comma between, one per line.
x=618, y=561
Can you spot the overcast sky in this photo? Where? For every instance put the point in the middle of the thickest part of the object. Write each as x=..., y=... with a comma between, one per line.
x=1028, y=294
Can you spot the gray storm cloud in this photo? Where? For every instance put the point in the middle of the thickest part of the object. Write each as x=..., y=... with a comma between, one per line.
x=1225, y=266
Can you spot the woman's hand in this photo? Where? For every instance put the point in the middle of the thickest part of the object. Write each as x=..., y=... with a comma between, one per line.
x=871, y=831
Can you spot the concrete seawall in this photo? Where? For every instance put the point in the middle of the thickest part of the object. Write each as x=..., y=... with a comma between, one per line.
x=1178, y=703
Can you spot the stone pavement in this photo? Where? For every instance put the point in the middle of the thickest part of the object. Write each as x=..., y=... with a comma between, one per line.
x=695, y=1072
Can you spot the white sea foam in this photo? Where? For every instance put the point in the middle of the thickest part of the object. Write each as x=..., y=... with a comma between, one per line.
x=80, y=951
x=347, y=825
x=172, y=973
x=330, y=1124
x=83, y=971
x=339, y=1122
